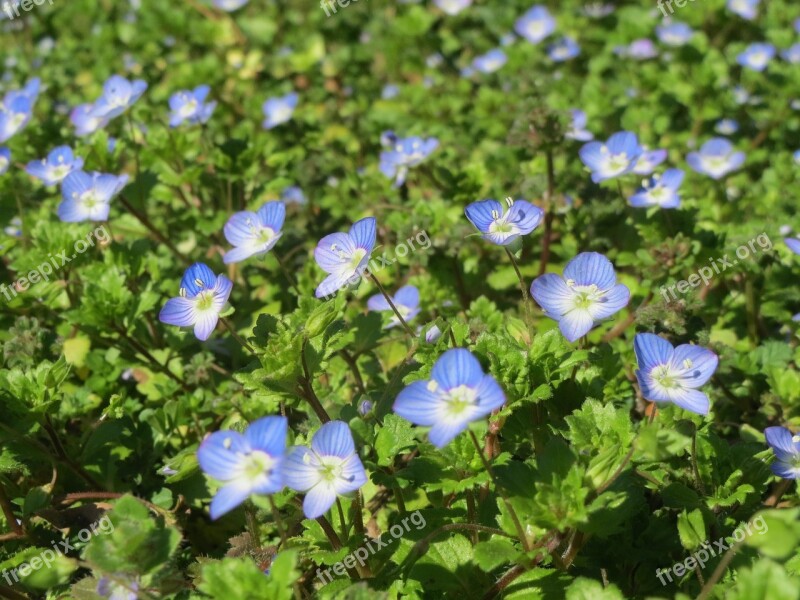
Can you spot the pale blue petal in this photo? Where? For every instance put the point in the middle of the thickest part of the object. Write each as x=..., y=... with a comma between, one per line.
x=651, y=351
x=334, y=439
x=363, y=233
x=417, y=404
x=612, y=302
x=268, y=434
x=318, y=501
x=220, y=454
x=300, y=469
x=575, y=324
x=591, y=268
x=552, y=294
x=227, y=498
x=480, y=213
x=457, y=367
x=701, y=366
x=691, y=400
x=178, y=311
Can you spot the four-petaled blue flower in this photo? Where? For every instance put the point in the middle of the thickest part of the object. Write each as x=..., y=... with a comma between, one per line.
x=577, y=128
x=5, y=160
x=279, y=110
x=674, y=34
x=726, y=127
x=406, y=301
x=640, y=49
x=403, y=153
x=452, y=7
x=345, y=256
x=792, y=54
x=293, y=195
x=587, y=293
x=787, y=452
x=457, y=393
x=793, y=243
x=747, y=9
x=501, y=225
x=85, y=122
x=87, y=196
x=230, y=5
x=254, y=233
x=58, y=164
x=119, y=95
x=190, y=106
x=616, y=157
x=563, y=50
x=757, y=56
x=490, y=62
x=245, y=463
x=648, y=161
x=668, y=374
x=202, y=297
x=16, y=109
x=118, y=587
x=329, y=468
x=535, y=25
x=716, y=158
x=660, y=190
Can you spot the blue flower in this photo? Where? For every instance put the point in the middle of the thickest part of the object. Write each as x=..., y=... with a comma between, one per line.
x=797, y=25
x=648, y=161
x=726, y=127
x=457, y=393
x=58, y=164
x=668, y=374
x=502, y=226
x=796, y=157
x=118, y=587
x=490, y=62
x=793, y=243
x=640, y=49
x=598, y=10
x=202, y=297
x=535, y=25
x=254, y=233
x=245, y=463
x=345, y=256
x=674, y=34
x=716, y=158
x=329, y=468
x=85, y=122
x=577, y=128
x=16, y=109
x=293, y=195
x=787, y=452
x=433, y=334
x=406, y=301
x=190, y=106
x=452, y=7
x=660, y=190
x=757, y=56
x=747, y=9
x=616, y=157
x=792, y=54
x=563, y=50
x=587, y=293
x=403, y=153
x=86, y=196
x=119, y=95
x=390, y=91
x=5, y=160
x=230, y=5
x=279, y=110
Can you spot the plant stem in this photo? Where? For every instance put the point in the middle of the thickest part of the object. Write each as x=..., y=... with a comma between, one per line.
x=394, y=308
x=276, y=515
x=142, y=218
x=526, y=297
x=8, y=512
x=237, y=337
x=698, y=480
x=252, y=524
x=310, y=395
x=342, y=520
x=353, y=364
x=286, y=274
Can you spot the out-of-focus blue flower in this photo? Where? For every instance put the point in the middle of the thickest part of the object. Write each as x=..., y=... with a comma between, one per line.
x=563, y=50
x=406, y=301
x=792, y=54
x=727, y=127
x=756, y=57
x=119, y=95
x=457, y=393
x=577, y=129
x=502, y=226
x=14, y=228
x=85, y=122
x=87, y=196
x=674, y=34
x=434, y=60
x=796, y=157
x=246, y=463
x=328, y=469
x=598, y=10
x=111, y=145
x=279, y=110
x=508, y=39
x=390, y=91
x=490, y=62
x=119, y=587
x=58, y=164
x=293, y=195
x=716, y=158
x=649, y=160
x=202, y=297
x=254, y=233
x=660, y=190
x=452, y=7
x=345, y=256
x=786, y=448
x=616, y=157
x=5, y=160
x=587, y=293
x=230, y=5
x=190, y=106
x=747, y=9
x=403, y=153
x=535, y=25
x=642, y=49
x=668, y=374
x=793, y=244
x=16, y=109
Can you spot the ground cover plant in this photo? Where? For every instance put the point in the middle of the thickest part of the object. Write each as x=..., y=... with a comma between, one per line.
x=414, y=299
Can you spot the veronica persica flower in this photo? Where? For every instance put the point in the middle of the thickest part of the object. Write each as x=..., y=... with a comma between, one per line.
x=279, y=110
x=716, y=158
x=329, y=468
x=598, y=10
x=490, y=62
x=793, y=243
x=190, y=106
x=757, y=56
x=674, y=34
x=119, y=587
x=535, y=25
x=564, y=49
x=726, y=127
x=87, y=196
x=5, y=160
x=587, y=293
x=345, y=256
x=119, y=95
x=616, y=157
x=230, y=5
x=641, y=49
x=254, y=233
x=660, y=190
x=577, y=128
x=457, y=393
x=406, y=301
x=245, y=463
x=747, y=9
x=15, y=113
x=402, y=154
x=202, y=297
x=648, y=161
x=792, y=54
x=293, y=195
x=82, y=117
x=452, y=7
x=500, y=224
x=58, y=164
x=786, y=448
x=668, y=374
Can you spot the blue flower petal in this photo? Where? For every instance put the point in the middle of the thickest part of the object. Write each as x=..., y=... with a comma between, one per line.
x=407, y=296
x=552, y=294
x=443, y=433
x=197, y=278
x=700, y=366
x=575, y=324
x=334, y=251
x=318, y=500
x=651, y=351
x=457, y=367
x=300, y=469
x=272, y=215
x=363, y=233
x=219, y=455
x=268, y=434
x=591, y=268
x=780, y=440
x=178, y=311
x=334, y=439
x=418, y=404
x=612, y=302
x=229, y=497
x=352, y=476
x=480, y=213
x=691, y=400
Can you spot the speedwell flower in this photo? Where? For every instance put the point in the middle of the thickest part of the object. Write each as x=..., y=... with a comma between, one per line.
x=457, y=393
x=757, y=56
x=82, y=117
x=190, y=106
x=648, y=161
x=5, y=160
x=202, y=297
x=747, y=9
x=502, y=226
x=344, y=256
x=792, y=54
x=668, y=374
x=246, y=463
x=58, y=164
x=119, y=95
x=452, y=7
x=577, y=128
x=616, y=157
x=490, y=62
x=329, y=468
x=279, y=110
x=16, y=110
x=230, y=5
x=86, y=196
x=787, y=452
x=254, y=233
x=587, y=293
x=793, y=243
x=674, y=34
x=563, y=50
x=716, y=158
x=535, y=25
x=293, y=195
x=726, y=127
x=403, y=153
x=406, y=301
x=660, y=190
